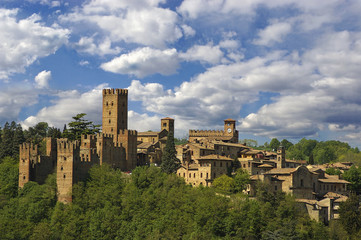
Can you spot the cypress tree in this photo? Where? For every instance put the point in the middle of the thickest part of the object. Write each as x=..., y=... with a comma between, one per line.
x=170, y=162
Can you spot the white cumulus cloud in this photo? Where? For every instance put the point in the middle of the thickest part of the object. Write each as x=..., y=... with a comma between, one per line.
x=42, y=79
x=144, y=61
x=24, y=41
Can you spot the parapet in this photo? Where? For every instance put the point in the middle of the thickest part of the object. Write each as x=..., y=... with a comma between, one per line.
x=128, y=132
x=117, y=91
x=206, y=133
x=28, y=146
x=65, y=145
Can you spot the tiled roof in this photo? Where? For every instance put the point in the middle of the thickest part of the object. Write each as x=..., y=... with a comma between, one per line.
x=144, y=145
x=265, y=166
x=215, y=157
x=281, y=171
x=331, y=180
x=147, y=134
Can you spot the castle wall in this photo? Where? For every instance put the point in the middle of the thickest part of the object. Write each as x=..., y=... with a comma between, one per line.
x=28, y=154
x=128, y=139
x=67, y=153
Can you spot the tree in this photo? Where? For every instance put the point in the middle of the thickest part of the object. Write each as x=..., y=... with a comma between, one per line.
x=170, y=162
x=286, y=144
x=274, y=144
x=241, y=180
x=79, y=127
x=350, y=214
x=353, y=175
x=249, y=142
x=224, y=184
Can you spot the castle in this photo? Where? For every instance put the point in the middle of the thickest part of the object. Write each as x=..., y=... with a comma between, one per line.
x=207, y=155
x=116, y=146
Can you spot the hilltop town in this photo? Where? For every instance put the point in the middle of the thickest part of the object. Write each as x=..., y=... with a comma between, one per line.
x=208, y=154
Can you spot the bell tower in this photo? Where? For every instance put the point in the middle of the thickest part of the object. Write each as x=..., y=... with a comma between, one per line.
x=281, y=157
x=115, y=110
x=167, y=124
x=229, y=127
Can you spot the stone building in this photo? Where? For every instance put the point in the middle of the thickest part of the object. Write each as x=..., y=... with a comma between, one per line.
x=71, y=160
x=151, y=144
x=229, y=134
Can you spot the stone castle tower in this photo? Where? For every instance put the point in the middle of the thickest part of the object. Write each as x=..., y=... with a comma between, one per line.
x=116, y=146
x=167, y=124
x=281, y=157
x=115, y=110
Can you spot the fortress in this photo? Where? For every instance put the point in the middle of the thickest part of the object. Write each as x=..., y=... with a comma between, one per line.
x=116, y=146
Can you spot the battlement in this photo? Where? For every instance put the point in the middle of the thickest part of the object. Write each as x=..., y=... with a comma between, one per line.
x=65, y=145
x=28, y=146
x=104, y=135
x=88, y=137
x=206, y=133
x=117, y=91
x=128, y=132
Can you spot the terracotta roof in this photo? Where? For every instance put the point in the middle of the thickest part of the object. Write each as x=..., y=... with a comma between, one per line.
x=215, y=157
x=265, y=166
x=332, y=195
x=231, y=144
x=144, y=145
x=147, y=133
x=341, y=199
x=332, y=180
x=281, y=171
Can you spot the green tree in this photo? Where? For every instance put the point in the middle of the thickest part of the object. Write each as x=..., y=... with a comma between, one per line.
x=333, y=171
x=224, y=184
x=249, y=142
x=353, y=175
x=9, y=174
x=79, y=127
x=241, y=180
x=274, y=144
x=350, y=214
x=286, y=144
x=170, y=162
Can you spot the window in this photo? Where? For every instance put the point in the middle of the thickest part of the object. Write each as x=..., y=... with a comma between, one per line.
x=221, y=164
x=194, y=175
x=184, y=174
x=111, y=129
x=301, y=182
x=61, y=168
x=64, y=158
x=106, y=104
x=110, y=112
x=164, y=124
x=110, y=121
x=64, y=176
x=112, y=104
x=207, y=176
x=190, y=175
x=201, y=175
x=24, y=177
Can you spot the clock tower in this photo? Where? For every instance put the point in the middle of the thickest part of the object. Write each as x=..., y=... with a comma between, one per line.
x=229, y=127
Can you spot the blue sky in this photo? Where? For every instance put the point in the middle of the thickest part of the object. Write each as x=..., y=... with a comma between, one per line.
x=285, y=69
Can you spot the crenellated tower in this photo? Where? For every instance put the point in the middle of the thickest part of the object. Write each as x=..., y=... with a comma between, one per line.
x=115, y=110
x=167, y=124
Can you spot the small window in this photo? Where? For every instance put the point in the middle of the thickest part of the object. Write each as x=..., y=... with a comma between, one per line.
x=215, y=164
x=194, y=175
x=61, y=168
x=207, y=176
x=106, y=104
x=190, y=175
x=221, y=164
x=24, y=177
x=164, y=124
x=64, y=176
x=110, y=112
x=110, y=121
x=301, y=182
x=184, y=174
x=111, y=129
x=112, y=104
x=64, y=158
x=201, y=175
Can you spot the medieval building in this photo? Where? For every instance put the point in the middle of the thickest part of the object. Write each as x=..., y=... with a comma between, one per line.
x=71, y=160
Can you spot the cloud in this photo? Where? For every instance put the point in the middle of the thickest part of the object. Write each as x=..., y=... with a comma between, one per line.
x=88, y=46
x=144, y=61
x=14, y=98
x=203, y=53
x=67, y=105
x=141, y=22
x=23, y=41
x=42, y=79
x=273, y=33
